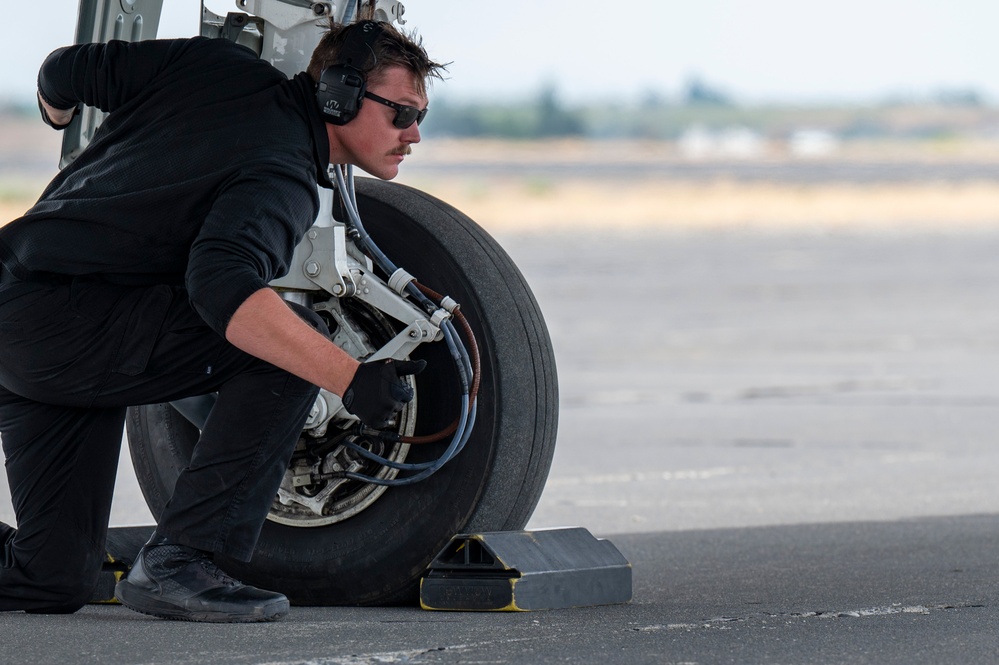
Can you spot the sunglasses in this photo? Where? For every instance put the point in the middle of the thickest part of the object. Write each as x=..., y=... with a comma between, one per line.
x=404, y=115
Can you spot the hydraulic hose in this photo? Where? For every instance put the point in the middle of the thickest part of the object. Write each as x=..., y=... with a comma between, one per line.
x=467, y=365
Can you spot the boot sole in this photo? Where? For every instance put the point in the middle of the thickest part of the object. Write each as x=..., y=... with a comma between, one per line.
x=140, y=600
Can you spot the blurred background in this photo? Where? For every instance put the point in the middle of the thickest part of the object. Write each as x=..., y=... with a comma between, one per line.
x=763, y=235
x=701, y=113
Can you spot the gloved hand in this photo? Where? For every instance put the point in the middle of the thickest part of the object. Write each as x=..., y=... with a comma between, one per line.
x=62, y=116
x=377, y=392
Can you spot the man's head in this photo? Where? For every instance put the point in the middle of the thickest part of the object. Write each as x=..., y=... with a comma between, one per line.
x=373, y=84
x=389, y=48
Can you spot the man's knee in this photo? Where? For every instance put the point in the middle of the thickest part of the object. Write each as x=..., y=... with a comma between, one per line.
x=72, y=600
x=75, y=590
x=52, y=585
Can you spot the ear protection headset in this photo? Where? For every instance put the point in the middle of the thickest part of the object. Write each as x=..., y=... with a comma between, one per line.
x=342, y=86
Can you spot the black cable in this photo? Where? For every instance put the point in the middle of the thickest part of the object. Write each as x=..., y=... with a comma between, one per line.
x=344, y=179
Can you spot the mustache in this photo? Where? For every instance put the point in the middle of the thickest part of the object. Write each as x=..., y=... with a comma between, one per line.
x=406, y=150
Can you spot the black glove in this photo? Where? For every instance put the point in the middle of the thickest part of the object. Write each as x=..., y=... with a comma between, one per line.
x=48, y=121
x=377, y=391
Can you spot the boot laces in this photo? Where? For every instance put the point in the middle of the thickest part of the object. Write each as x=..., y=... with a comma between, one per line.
x=218, y=574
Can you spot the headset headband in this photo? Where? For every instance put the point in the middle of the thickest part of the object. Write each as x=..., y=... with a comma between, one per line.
x=358, y=49
x=341, y=87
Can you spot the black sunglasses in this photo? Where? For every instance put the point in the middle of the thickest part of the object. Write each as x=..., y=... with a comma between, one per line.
x=404, y=115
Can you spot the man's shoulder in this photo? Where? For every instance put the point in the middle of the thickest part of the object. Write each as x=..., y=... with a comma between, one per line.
x=220, y=45
x=199, y=61
x=214, y=47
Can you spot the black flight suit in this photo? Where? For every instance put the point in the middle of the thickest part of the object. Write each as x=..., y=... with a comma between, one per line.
x=118, y=285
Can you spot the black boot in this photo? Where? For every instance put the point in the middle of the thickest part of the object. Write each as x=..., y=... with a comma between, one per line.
x=178, y=582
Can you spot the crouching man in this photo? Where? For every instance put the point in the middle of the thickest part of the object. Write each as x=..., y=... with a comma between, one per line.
x=140, y=276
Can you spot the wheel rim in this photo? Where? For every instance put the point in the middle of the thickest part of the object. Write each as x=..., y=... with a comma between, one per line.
x=359, y=330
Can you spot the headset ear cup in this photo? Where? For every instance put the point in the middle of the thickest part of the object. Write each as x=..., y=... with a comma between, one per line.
x=340, y=93
x=342, y=86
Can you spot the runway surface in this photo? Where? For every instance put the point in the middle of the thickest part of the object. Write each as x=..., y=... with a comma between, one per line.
x=790, y=434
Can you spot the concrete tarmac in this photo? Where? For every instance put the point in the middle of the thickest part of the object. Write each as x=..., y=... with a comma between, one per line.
x=788, y=432
x=911, y=591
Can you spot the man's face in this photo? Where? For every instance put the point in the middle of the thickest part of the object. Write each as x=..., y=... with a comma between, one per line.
x=370, y=141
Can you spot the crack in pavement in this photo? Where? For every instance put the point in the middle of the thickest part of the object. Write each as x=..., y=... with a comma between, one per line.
x=880, y=611
x=401, y=656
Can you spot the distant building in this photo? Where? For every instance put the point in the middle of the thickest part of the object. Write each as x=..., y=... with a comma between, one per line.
x=812, y=143
x=698, y=142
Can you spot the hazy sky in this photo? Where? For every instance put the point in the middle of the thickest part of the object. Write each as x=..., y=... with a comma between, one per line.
x=756, y=50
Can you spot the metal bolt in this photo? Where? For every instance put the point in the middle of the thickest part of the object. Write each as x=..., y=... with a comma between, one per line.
x=312, y=269
x=313, y=234
x=337, y=289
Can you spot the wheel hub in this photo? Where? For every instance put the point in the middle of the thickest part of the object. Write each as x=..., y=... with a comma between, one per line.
x=313, y=491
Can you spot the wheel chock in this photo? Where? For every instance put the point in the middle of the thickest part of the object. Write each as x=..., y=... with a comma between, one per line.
x=123, y=545
x=520, y=571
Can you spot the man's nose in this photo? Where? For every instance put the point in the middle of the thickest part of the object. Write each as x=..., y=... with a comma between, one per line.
x=411, y=134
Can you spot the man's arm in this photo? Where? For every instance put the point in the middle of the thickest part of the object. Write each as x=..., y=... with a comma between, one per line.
x=105, y=75
x=265, y=327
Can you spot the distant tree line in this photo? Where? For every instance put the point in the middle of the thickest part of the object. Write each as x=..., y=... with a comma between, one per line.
x=543, y=117
x=546, y=116
x=941, y=114
x=655, y=116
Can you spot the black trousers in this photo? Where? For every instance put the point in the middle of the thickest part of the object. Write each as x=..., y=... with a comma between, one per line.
x=73, y=356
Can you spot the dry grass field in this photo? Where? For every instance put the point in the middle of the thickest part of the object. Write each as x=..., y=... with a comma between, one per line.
x=511, y=205
x=484, y=180
x=510, y=201
x=514, y=206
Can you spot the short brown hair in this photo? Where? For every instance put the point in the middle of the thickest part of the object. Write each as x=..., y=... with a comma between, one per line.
x=392, y=47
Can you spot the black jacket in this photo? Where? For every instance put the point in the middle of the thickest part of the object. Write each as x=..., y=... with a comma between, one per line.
x=204, y=173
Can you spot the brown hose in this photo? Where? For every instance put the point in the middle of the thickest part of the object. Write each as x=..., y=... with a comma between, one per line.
x=473, y=353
